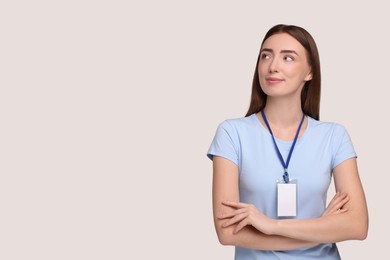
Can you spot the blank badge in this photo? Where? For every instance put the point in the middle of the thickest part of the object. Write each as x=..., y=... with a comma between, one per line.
x=287, y=199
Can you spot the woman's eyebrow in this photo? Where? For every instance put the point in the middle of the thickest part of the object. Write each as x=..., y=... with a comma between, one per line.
x=282, y=51
x=289, y=51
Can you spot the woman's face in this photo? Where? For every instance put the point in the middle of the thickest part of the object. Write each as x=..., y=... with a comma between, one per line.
x=283, y=66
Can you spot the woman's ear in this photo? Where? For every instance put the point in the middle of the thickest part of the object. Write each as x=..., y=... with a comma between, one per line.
x=309, y=77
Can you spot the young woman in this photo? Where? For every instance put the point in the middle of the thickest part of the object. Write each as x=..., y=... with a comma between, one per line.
x=272, y=169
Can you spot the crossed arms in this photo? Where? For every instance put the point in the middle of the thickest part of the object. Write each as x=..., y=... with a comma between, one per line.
x=240, y=224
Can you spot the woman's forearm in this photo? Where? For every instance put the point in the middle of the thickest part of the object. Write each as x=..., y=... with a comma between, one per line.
x=328, y=229
x=294, y=234
x=250, y=237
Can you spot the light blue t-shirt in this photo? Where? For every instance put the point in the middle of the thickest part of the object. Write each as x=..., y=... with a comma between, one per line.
x=248, y=144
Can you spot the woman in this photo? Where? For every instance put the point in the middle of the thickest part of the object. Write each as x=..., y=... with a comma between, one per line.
x=272, y=168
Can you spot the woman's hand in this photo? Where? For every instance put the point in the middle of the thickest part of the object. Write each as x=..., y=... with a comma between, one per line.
x=336, y=204
x=245, y=215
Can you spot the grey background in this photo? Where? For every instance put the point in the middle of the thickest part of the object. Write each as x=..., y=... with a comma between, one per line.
x=107, y=109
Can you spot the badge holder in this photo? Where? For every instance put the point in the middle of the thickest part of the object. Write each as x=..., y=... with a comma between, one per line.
x=287, y=198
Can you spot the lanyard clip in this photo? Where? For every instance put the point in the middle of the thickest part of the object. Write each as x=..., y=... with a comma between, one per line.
x=285, y=176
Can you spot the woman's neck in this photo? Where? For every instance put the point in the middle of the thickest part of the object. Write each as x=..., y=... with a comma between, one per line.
x=282, y=114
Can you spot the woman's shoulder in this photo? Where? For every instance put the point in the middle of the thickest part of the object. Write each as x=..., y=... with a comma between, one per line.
x=327, y=126
x=239, y=123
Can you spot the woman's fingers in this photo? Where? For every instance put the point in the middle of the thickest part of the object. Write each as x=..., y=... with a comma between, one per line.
x=331, y=204
x=336, y=204
x=340, y=211
x=235, y=219
x=240, y=208
x=231, y=214
x=233, y=204
x=246, y=215
x=337, y=198
x=237, y=216
x=339, y=202
x=240, y=226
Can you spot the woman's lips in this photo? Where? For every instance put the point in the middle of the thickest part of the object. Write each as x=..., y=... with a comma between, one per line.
x=273, y=80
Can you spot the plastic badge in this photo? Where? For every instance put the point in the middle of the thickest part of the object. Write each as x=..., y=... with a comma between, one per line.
x=287, y=198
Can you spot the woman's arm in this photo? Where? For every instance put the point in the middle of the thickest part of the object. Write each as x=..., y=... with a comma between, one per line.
x=351, y=225
x=225, y=187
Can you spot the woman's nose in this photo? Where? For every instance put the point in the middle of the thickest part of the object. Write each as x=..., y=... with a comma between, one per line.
x=273, y=66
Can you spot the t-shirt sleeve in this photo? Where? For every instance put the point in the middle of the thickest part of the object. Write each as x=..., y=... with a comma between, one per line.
x=343, y=147
x=224, y=143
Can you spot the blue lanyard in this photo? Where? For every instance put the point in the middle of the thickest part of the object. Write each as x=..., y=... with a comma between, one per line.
x=285, y=164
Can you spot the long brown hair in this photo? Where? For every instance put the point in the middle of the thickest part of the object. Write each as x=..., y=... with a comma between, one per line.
x=311, y=92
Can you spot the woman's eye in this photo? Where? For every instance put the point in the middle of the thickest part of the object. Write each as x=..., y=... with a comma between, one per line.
x=265, y=56
x=288, y=58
